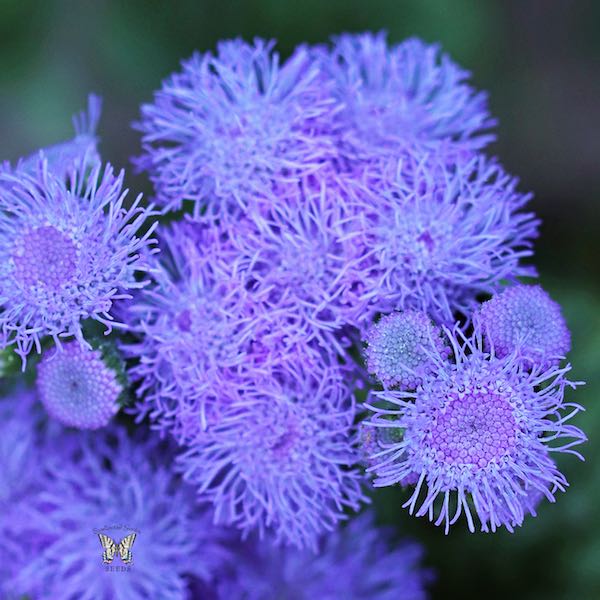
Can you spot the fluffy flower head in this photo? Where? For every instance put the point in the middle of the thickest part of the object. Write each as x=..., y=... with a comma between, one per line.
x=479, y=436
x=406, y=96
x=280, y=460
x=68, y=251
x=201, y=338
x=439, y=242
x=304, y=253
x=230, y=125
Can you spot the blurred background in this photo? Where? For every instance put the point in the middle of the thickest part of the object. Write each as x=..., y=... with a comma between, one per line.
x=540, y=62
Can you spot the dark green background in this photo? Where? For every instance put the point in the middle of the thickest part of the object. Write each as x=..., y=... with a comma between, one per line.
x=540, y=61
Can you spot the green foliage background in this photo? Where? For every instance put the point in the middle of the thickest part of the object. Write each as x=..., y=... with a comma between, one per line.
x=539, y=61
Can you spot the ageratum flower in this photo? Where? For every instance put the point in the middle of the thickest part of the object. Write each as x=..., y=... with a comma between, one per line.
x=357, y=562
x=304, y=253
x=279, y=461
x=227, y=126
x=202, y=338
x=408, y=96
x=399, y=348
x=77, y=387
x=193, y=333
x=524, y=318
x=479, y=434
x=68, y=251
x=68, y=155
x=439, y=243
x=105, y=483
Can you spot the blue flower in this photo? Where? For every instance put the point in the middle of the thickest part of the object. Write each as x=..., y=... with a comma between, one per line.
x=403, y=97
x=68, y=251
x=524, y=318
x=229, y=126
x=87, y=482
x=305, y=253
x=280, y=459
x=478, y=435
x=201, y=338
x=194, y=331
x=77, y=387
x=441, y=236
x=357, y=562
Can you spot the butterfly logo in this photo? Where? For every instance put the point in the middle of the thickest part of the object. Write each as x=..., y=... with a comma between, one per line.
x=123, y=548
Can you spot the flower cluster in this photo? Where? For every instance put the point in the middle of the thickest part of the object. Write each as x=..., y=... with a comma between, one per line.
x=477, y=436
x=376, y=199
x=279, y=459
x=316, y=211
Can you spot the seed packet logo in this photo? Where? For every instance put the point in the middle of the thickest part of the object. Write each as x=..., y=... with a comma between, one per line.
x=111, y=547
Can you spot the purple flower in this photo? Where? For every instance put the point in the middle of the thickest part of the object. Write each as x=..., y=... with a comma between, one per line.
x=439, y=242
x=359, y=562
x=202, y=338
x=399, y=348
x=403, y=97
x=66, y=156
x=194, y=332
x=105, y=483
x=227, y=126
x=280, y=459
x=77, y=387
x=524, y=318
x=479, y=435
x=304, y=253
x=68, y=251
